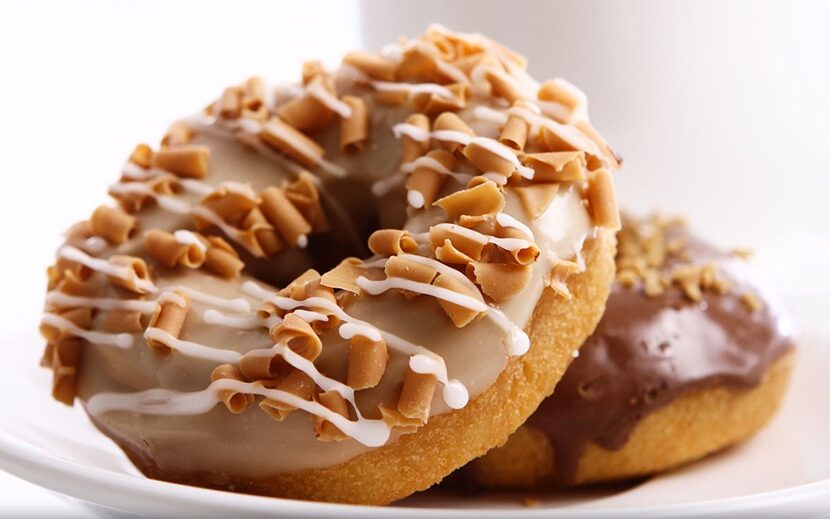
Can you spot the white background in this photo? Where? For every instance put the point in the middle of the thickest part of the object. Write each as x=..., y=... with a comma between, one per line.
x=721, y=110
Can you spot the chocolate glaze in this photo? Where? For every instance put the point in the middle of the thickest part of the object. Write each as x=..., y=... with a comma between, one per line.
x=646, y=352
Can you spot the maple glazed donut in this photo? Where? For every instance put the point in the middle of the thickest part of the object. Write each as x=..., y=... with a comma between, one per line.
x=689, y=358
x=345, y=289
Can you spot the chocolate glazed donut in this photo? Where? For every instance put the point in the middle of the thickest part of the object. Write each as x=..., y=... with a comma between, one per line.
x=654, y=357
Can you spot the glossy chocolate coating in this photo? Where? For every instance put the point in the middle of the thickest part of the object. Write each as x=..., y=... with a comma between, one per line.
x=647, y=351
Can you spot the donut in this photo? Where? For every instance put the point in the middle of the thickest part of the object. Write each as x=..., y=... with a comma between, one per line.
x=341, y=289
x=690, y=357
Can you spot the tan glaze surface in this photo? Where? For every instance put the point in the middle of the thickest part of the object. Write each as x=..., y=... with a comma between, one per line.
x=417, y=461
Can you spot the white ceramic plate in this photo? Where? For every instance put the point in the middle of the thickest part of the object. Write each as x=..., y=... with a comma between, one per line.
x=784, y=470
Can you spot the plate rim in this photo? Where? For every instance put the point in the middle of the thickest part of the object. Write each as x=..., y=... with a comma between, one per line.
x=89, y=483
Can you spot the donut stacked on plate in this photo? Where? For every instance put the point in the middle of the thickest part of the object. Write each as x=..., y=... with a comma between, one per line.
x=342, y=289
x=691, y=356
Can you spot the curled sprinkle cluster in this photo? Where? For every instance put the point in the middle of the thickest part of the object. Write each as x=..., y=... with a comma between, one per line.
x=529, y=140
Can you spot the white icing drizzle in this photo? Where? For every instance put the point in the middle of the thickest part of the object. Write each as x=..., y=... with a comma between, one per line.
x=192, y=349
x=238, y=304
x=119, y=340
x=94, y=244
x=195, y=186
x=569, y=133
x=433, y=165
x=232, y=232
x=101, y=303
x=310, y=316
x=491, y=145
x=510, y=244
x=415, y=89
x=392, y=341
x=383, y=186
x=242, y=322
x=188, y=238
x=349, y=330
x=327, y=98
x=444, y=269
x=415, y=198
x=455, y=394
x=105, y=267
x=167, y=202
x=372, y=433
x=505, y=220
x=173, y=298
x=380, y=286
x=518, y=342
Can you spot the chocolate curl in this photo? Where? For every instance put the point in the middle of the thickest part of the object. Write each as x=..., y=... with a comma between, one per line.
x=394, y=418
x=253, y=93
x=407, y=269
x=137, y=271
x=460, y=315
x=65, y=360
x=602, y=202
x=501, y=86
x=298, y=335
x=287, y=220
x=135, y=201
x=306, y=112
x=142, y=156
x=374, y=66
x=230, y=106
x=178, y=134
x=535, y=198
x=64, y=268
x=442, y=236
x=447, y=253
x=556, y=166
x=499, y=281
x=235, y=402
x=391, y=242
x=266, y=236
x=416, y=395
x=391, y=97
x=424, y=183
x=292, y=142
x=431, y=104
x=262, y=365
x=487, y=161
x=113, y=224
x=305, y=196
x=325, y=430
x=296, y=383
x=558, y=276
x=309, y=285
x=81, y=317
x=451, y=122
x=483, y=198
x=231, y=202
x=312, y=69
x=72, y=284
x=355, y=130
x=514, y=133
x=410, y=148
x=164, y=248
x=560, y=91
x=554, y=142
x=189, y=161
x=367, y=362
x=169, y=316
x=121, y=321
x=613, y=158
x=344, y=276
x=221, y=259
x=417, y=66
